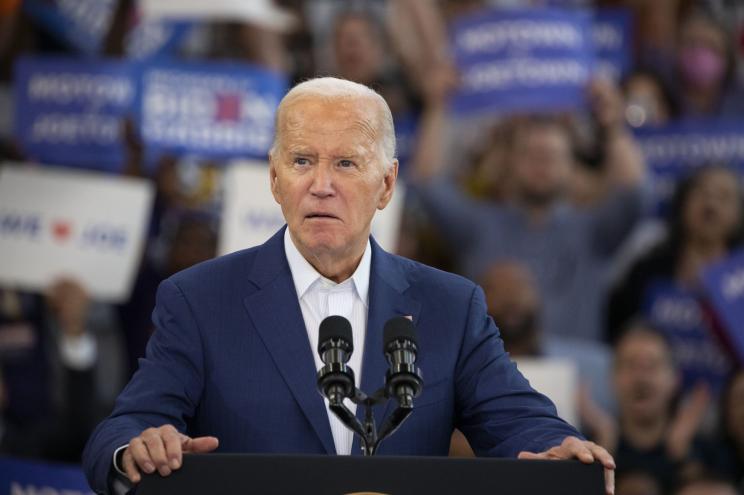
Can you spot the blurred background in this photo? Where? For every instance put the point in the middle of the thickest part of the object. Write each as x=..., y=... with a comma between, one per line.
x=581, y=160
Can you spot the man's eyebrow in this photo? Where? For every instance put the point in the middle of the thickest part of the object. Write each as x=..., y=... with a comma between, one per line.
x=341, y=155
x=353, y=152
x=300, y=151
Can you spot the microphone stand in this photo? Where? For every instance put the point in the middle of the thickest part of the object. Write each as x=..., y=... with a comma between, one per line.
x=367, y=430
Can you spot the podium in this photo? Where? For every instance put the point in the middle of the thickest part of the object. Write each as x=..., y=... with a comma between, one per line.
x=218, y=474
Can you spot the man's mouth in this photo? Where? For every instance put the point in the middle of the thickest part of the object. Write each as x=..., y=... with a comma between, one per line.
x=322, y=215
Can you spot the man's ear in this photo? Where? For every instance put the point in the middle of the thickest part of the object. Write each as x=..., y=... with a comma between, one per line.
x=390, y=178
x=273, y=180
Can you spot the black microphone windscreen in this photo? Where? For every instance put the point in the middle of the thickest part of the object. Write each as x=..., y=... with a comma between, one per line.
x=398, y=328
x=335, y=327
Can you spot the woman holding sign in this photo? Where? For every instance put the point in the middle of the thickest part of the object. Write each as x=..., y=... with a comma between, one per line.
x=706, y=224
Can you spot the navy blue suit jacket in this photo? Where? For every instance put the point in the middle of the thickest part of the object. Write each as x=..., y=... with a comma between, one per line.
x=231, y=358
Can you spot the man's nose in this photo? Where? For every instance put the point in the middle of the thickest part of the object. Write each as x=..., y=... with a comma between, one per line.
x=322, y=184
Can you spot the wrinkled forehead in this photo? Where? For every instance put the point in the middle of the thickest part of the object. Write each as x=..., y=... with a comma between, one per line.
x=311, y=117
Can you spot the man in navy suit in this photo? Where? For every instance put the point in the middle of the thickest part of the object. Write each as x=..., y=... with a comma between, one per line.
x=233, y=357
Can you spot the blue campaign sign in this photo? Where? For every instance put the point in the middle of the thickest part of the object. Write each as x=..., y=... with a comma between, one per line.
x=81, y=24
x=612, y=38
x=674, y=151
x=678, y=147
x=70, y=112
x=724, y=283
x=212, y=110
x=679, y=314
x=21, y=477
x=151, y=39
x=522, y=60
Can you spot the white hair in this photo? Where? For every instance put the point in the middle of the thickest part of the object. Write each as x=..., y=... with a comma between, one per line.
x=333, y=88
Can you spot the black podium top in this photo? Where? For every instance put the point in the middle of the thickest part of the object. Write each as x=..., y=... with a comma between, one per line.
x=218, y=474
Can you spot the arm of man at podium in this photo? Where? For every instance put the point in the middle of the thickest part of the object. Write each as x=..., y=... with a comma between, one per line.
x=498, y=411
x=151, y=414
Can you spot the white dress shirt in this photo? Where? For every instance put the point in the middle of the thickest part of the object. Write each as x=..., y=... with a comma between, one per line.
x=319, y=298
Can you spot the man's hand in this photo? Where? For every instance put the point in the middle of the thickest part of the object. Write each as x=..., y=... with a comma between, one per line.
x=161, y=449
x=586, y=452
x=607, y=104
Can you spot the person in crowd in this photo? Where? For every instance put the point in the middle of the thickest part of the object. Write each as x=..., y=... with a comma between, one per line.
x=418, y=35
x=360, y=54
x=706, y=485
x=705, y=223
x=655, y=28
x=60, y=369
x=648, y=100
x=188, y=238
x=359, y=47
x=706, y=77
x=637, y=483
x=653, y=435
x=566, y=248
x=514, y=303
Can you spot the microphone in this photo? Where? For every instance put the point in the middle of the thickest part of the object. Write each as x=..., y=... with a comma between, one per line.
x=335, y=345
x=403, y=380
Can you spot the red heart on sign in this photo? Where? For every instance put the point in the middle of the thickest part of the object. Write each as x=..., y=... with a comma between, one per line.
x=61, y=230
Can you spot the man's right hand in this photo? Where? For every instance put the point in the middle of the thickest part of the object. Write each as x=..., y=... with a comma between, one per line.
x=161, y=449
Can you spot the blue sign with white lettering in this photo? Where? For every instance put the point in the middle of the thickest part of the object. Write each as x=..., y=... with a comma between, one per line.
x=679, y=314
x=676, y=150
x=209, y=109
x=152, y=39
x=21, y=477
x=611, y=36
x=81, y=24
x=724, y=283
x=522, y=60
x=71, y=112
x=681, y=146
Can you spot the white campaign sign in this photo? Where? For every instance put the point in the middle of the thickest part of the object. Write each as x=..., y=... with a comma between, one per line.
x=261, y=12
x=555, y=378
x=250, y=215
x=57, y=222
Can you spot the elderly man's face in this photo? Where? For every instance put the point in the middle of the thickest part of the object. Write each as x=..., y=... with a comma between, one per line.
x=327, y=174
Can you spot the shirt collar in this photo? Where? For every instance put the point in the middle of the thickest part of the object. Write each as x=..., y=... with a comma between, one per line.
x=305, y=275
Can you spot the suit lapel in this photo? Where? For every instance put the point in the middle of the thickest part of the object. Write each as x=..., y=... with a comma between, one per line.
x=387, y=299
x=277, y=317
